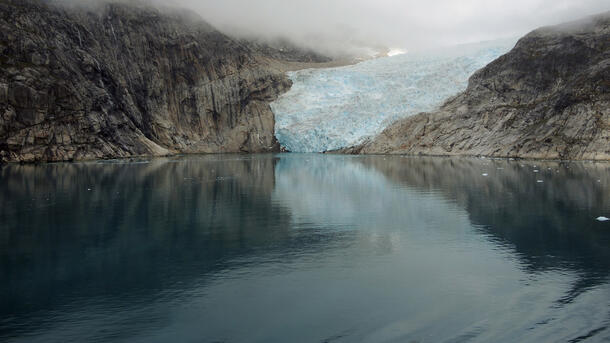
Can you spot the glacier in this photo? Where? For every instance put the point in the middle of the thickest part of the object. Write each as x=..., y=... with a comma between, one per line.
x=333, y=108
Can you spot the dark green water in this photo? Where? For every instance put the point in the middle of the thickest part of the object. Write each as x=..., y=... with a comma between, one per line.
x=305, y=248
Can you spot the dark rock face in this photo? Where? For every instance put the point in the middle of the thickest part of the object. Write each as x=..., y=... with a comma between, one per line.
x=125, y=80
x=547, y=98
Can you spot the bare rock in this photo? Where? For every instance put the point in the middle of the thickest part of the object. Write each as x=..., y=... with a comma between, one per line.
x=121, y=80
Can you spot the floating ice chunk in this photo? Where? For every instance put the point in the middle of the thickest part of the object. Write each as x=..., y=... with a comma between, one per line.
x=485, y=174
x=536, y=171
x=539, y=181
x=328, y=109
x=602, y=219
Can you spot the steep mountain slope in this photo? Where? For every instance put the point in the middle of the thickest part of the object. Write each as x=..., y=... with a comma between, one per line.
x=549, y=97
x=121, y=80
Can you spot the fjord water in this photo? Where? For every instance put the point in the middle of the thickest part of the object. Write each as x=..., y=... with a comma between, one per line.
x=305, y=248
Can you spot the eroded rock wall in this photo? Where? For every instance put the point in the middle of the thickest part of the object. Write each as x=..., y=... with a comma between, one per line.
x=124, y=80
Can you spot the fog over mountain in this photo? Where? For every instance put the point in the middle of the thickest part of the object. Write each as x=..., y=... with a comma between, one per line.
x=337, y=25
x=360, y=26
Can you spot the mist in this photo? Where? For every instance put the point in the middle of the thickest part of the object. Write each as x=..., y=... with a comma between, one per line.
x=362, y=26
x=332, y=26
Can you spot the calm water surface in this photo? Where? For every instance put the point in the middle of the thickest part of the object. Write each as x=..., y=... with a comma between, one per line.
x=305, y=248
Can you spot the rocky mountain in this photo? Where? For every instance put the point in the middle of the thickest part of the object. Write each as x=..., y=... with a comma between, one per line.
x=121, y=79
x=549, y=98
x=283, y=50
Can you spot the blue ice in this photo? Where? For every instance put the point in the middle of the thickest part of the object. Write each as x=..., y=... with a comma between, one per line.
x=332, y=108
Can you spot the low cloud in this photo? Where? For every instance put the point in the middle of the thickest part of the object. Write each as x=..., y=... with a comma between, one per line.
x=333, y=26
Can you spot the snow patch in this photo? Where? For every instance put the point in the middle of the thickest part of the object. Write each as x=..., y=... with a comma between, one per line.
x=396, y=52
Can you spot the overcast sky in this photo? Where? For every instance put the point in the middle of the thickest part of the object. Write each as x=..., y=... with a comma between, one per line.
x=407, y=24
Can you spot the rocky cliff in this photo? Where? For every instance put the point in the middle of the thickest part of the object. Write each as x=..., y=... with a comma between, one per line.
x=120, y=80
x=549, y=98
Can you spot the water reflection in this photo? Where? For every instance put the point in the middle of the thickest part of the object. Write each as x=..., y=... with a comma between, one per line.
x=550, y=224
x=304, y=248
x=72, y=232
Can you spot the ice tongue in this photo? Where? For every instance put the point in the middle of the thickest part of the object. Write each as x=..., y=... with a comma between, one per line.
x=328, y=109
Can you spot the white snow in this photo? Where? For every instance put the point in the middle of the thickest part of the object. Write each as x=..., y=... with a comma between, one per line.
x=332, y=108
x=396, y=52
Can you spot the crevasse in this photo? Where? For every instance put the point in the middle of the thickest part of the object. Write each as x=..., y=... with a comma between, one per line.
x=328, y=109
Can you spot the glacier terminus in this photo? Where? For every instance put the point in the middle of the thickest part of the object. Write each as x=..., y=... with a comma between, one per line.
x=333, y=108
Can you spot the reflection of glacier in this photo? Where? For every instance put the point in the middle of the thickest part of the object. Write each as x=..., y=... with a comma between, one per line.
x=332, y=108
x=337, y=191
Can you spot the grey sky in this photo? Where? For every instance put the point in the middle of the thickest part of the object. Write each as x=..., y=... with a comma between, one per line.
x=408, y=24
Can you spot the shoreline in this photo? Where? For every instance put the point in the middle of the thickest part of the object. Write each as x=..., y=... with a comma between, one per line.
x=138, y=158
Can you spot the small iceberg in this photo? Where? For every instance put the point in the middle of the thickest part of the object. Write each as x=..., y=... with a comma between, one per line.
x=485, y=174
x=602, y=219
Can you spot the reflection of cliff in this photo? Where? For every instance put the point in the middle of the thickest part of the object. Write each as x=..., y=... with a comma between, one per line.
x=550, y=225
x=140, y=229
